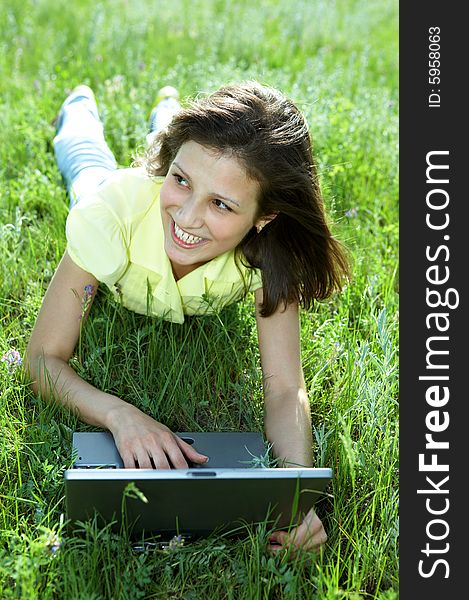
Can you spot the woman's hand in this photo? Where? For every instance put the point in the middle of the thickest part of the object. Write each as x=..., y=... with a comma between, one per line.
x=309, y=535
x=142, y=441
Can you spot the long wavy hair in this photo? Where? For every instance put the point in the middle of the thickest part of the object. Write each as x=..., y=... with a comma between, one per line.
x=298, y=257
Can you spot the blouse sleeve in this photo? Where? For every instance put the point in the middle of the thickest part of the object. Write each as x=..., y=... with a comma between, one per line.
x=97, y=236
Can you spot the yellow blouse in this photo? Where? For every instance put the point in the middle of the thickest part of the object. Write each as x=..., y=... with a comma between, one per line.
x=116, y=234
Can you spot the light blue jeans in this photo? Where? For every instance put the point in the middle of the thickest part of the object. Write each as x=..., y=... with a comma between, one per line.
x=83, y=156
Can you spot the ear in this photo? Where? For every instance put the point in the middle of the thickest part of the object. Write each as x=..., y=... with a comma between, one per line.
x=263, y=221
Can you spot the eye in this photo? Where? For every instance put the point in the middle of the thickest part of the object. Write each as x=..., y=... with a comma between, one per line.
x=180, y=180
x=222, y=206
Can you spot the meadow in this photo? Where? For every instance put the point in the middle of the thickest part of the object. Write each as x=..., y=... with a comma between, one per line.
x=338, y=61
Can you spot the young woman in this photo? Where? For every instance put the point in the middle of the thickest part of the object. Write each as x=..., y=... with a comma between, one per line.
x=225, y=201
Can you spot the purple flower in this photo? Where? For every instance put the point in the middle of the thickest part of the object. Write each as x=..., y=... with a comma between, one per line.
x=352, y=213
x=174, y=543
x=54, y=548
x=86, y=299
x=53, y=543
x=12, y=359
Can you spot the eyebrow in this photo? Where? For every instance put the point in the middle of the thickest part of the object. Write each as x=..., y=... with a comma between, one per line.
x=212, y=194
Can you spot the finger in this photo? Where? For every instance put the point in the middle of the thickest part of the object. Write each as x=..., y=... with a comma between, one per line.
x=306, y=537
x=311, y=532
x=318, y=540
x=142, y=459
x=278, y=537
x=153, y=453
x=191, y=452
x=129, y=455
x=295, y=539
x=143, y=456
x=288, y=550
x=128, y=460
x=159, y=458
x=176, y=457
x=277, y=541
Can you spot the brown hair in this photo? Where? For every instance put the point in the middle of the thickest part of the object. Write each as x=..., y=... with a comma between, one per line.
x=299, y=259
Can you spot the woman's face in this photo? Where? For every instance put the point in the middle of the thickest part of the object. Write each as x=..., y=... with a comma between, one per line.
x=208, y=205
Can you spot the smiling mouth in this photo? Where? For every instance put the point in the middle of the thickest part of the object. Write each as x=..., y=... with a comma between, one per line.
x=184, y=239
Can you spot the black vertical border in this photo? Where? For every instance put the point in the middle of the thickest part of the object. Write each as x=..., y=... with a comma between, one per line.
x=424, y=129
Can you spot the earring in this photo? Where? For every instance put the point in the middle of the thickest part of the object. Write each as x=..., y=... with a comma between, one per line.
x=259, y=228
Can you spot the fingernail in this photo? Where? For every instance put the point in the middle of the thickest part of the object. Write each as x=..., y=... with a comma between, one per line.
x=206, y=459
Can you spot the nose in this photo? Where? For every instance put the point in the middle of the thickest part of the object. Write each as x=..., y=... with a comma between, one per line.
x=190, y=215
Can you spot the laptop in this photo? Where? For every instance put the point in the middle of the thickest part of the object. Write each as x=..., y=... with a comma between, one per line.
x=229, y=491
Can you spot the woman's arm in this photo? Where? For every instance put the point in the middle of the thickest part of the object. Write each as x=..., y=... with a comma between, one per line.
x=138, y=437
x=287, y=416
x=53, y=340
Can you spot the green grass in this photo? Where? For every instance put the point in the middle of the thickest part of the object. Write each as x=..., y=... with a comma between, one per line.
x=338, y=61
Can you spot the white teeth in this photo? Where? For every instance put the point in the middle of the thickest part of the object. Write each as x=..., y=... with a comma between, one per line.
x=186, y=237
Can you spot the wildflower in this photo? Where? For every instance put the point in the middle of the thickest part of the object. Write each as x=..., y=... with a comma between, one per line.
x=87, y=297
x=352, y=213
x=54, y=547
x=12, y=359
x=53, y=543
x=174, y=543
x=115, y=84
